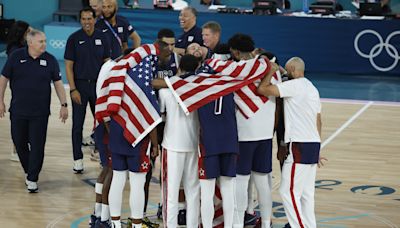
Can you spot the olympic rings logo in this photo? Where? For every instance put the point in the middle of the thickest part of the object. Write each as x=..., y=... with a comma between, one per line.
x=58, y=44
x=378, y=48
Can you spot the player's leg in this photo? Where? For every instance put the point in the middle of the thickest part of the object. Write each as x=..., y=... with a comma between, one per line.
x=243, y=170
x=307, y=199
x=20, y=137
x=227, y=184
x=78, y=119
x=208, y=170
x=37, y=140
x=120, y=168
x=291, y=189
x=263, y=185
x=105, y=208
x=191, y=185
x=136, y=197
x=175, y=168
x=262, y=168
x=250, y=217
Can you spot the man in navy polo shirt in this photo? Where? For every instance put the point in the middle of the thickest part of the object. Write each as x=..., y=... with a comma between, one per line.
x=30, y=71
x=86, y=51
x=117, y=29
x=191, y=33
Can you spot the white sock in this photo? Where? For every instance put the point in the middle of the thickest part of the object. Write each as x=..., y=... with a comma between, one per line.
x=242, y=182
x=181, y=205
x=115, y=194
x=97, y=210
x=136, y=197
x=263, y=186
x=207, y=190
x=137, y=225
x=116, y=224
x=105, y=212
x=227, y=185
x=250, y=200
x=98, y=188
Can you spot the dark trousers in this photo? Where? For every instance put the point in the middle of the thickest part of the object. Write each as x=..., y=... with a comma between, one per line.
x=88, y=95
x=29, y=137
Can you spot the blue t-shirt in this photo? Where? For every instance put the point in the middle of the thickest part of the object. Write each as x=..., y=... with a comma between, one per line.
x=122, y=29
x=218, y=129
x=30, y=82
x=169, y=69
x=192, y=36
x=87, y=52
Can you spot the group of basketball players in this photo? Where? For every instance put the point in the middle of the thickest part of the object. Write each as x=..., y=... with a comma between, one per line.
x=214, y=154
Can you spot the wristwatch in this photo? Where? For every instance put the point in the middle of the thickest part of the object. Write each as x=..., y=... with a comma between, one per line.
x=64, y=104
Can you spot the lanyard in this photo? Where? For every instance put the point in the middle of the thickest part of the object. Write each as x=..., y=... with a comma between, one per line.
x=114, y=33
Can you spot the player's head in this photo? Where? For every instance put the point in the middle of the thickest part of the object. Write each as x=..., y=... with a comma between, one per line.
x=188, y=63
x=187, y=18
x=168, y=36
x=211, y=33
x=196, y=50
x=97, y=6
x=109, y=8
x=164, y=51
x=295, y=67
x=241, y=46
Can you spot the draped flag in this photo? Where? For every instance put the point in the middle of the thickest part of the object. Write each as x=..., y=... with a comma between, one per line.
x=127, y=95
x=219, y=78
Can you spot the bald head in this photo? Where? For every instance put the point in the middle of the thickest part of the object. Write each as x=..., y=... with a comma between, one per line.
x=109, y=8
x=295, y=67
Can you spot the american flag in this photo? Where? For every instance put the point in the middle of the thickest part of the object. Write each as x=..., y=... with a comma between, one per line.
x=127, y=95
x=219, y=78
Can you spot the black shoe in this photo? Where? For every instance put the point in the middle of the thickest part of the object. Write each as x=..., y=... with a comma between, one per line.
x=159, y=211
x=92, y=221
x=287, y=225
x=182, y=217
x=250, y=219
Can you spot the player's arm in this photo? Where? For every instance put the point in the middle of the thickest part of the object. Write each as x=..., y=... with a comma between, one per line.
x=179, y=51
x=159, y=83
x=3, y=86
x=319, y=128
x=136, y=39
x=154, y=143
x=283, y=151
x=266, y=88
x=319, y=124
x=69, y=70
x=60, y=91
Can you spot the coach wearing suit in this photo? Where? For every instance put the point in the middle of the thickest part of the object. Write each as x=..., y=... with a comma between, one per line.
x=30, y=71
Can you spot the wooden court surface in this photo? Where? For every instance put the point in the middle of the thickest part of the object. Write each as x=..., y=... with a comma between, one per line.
x=358, y=187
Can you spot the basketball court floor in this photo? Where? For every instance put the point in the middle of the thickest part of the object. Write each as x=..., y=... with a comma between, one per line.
x=358, y=187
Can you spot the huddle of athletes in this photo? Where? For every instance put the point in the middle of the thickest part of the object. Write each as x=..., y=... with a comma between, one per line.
x=216, y=143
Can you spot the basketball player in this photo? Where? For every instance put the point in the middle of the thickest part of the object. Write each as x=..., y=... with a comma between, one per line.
x=255, y=144
x=303, y=133
x=180, y=155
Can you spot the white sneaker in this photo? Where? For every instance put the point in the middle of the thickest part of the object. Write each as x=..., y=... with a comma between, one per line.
x=88, y=141
x=94, y=155
x=14, y=156
x=31, y=186
x=78, y=166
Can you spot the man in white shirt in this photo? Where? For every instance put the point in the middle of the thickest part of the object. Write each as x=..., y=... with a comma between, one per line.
x=302, y=131
x=255, y=143
x=179, y=155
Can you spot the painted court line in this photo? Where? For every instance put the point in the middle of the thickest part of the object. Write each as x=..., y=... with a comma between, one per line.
x=338, y=131
x=345, y=125
x=349, y=101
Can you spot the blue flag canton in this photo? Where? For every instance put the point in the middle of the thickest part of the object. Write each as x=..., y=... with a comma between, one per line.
x=205, y=68
x=143, y=73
